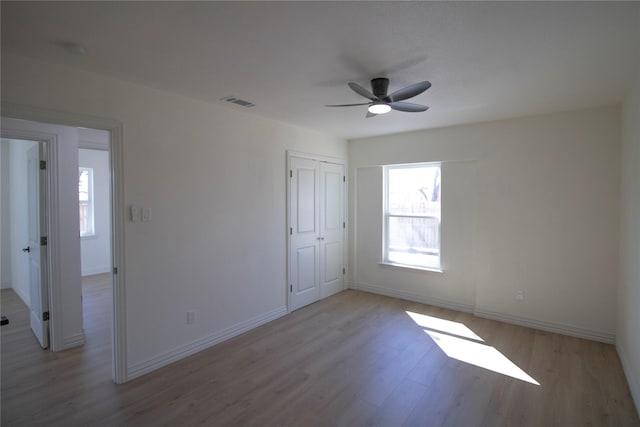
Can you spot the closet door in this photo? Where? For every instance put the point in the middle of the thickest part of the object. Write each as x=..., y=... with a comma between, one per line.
x=304, y=233
x=316, y=230
x=331, y=228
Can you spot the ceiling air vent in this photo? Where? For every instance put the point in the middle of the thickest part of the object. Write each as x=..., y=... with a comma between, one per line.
x=238, y=101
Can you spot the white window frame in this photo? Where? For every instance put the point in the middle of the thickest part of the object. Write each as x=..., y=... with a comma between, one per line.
x=386, y=216
x=90, y=203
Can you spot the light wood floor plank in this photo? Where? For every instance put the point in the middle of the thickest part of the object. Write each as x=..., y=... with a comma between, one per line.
x=354, y=359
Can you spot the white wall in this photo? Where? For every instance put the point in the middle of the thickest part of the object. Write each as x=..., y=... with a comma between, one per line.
x=96, y=250
x=528, y=204
x=5, y=224
x=18, y=217
x=214, y=179
x=628, y=332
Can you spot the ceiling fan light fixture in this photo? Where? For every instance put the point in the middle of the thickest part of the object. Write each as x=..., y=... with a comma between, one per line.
x=379, y=108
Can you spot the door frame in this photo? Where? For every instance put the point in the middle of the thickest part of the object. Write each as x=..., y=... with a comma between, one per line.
x=320, y=158
x=116, y=165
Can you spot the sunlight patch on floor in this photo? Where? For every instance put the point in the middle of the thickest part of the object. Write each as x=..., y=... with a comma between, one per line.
x=442, y=325
x=459, y=342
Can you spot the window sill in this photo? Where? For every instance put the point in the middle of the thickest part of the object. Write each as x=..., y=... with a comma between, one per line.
x=89, y=237
x=411, y=267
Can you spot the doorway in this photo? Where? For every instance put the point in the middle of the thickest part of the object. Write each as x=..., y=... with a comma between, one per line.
x=94, y=203
x=23, y=261
x=63, y=270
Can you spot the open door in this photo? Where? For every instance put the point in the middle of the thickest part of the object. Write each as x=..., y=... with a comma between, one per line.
x=37, y=258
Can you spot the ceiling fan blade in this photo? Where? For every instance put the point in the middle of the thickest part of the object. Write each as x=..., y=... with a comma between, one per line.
x=408, y=107
x=347, y=105
x=408, y=92
x=370, y=114
x=362, y=91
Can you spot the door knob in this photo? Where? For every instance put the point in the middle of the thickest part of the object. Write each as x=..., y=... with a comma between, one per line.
x=27, y=249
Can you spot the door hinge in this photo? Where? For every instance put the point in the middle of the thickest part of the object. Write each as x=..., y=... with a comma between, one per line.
x=290, y=288
x=290, y=173
x=43, y=165
x=344, y=270
x=290, y=231
x=43, y=241
x=115, y=270
x=344, y=225
x=45, y=316
x=344, y=178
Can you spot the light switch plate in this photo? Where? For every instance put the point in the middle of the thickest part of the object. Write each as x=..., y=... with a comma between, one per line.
x=134, y=213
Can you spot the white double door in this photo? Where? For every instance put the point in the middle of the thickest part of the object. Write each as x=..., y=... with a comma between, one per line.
x=316, y=230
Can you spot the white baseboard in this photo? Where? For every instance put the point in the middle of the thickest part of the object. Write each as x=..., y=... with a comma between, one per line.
x=5, y=285
x=521, y=321
x=99, y=270
x=24, y=297
x=634, y=383
x=413, y=297
x=557, y=328
x=72, y=341
x=196, y=346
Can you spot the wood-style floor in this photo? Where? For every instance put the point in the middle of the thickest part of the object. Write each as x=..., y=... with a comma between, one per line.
x=350, y=360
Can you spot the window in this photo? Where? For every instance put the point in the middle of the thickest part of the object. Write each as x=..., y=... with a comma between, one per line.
x=412, y=215
x=85, y=198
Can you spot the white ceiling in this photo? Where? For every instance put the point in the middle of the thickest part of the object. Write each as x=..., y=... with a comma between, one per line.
x=485, y=60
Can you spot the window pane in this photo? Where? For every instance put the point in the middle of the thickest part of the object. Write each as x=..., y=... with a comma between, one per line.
x=414, y=241
x=412, y=224
x=85, y=201
x=83, y=185
x=414, y=191
x=84, y=219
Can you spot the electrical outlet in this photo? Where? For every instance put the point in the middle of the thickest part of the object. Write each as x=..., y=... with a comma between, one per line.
x=520, y=295
x=191, y=317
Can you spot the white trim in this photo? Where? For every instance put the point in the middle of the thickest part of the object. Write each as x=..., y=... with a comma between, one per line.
x=24, y=112
x=318, y=157
x=409, y=296
x=558, y=328
x=634, y=383
x=84, y=144
x=6, y=285
x=119, y=318
x=410, y=267
x=73, y=341
x=198, y=345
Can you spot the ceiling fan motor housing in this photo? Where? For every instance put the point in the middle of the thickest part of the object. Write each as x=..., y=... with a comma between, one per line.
x=379, y=86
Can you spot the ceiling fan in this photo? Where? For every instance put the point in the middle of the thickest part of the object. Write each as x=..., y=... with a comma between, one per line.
x=381, y=103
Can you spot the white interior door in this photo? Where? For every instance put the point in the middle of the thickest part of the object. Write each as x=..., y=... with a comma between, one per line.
x=37, y=278
x=331, y=228
x=304, y=222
